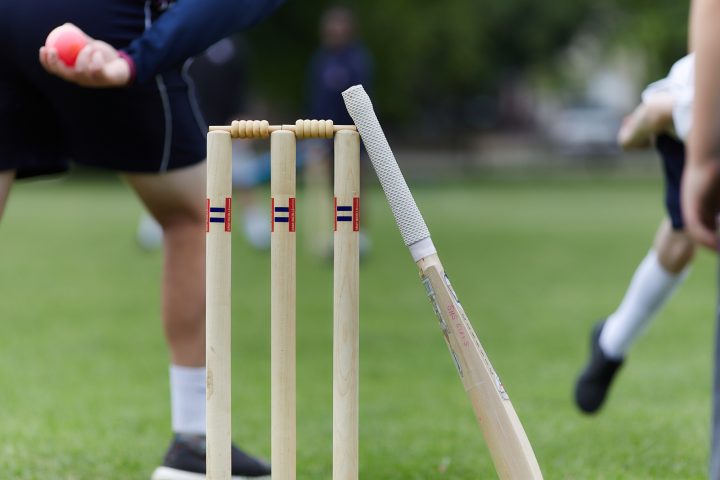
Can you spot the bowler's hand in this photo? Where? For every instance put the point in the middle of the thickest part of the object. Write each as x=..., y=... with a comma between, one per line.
x=701, y=201
x=98, y=65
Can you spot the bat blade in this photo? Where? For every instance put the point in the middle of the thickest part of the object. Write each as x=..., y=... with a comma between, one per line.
x=509, y=446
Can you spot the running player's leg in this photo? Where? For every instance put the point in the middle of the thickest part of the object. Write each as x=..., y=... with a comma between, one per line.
x=653, y=283
x=674, y=247
x=651, y=286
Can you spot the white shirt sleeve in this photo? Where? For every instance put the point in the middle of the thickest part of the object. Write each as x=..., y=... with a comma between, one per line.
x=680, y=84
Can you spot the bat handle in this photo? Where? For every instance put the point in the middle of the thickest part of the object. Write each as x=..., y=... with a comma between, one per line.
x=407, y=215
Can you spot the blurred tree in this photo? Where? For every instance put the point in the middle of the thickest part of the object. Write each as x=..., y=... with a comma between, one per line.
x=656, y=28
x=435, y=56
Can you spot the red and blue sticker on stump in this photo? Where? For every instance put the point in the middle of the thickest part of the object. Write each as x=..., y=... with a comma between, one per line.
x=283, y=214
x=348, y=213
x=213, y=215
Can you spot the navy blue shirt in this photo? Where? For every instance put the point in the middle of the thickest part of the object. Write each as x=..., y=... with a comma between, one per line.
x=330, y=73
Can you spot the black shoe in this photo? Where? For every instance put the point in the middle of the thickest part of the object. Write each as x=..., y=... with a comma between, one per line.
x=594, y=381
x=185, y=460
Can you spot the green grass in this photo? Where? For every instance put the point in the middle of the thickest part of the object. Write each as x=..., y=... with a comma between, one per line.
x=83, y=376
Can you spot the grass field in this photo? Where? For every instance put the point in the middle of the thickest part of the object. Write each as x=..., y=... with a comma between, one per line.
x=83, y=371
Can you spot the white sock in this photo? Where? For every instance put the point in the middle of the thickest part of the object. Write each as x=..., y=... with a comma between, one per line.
x=187, y=399
x=650, y=287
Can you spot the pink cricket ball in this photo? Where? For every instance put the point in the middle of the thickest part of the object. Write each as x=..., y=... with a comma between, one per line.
x=68, y=40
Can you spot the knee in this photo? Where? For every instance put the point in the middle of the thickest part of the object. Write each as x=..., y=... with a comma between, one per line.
x=181, y=219
x=181, y=329
x=676, y=253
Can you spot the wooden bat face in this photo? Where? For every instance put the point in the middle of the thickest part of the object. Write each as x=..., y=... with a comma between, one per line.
x=510, y=449
x=460, y=336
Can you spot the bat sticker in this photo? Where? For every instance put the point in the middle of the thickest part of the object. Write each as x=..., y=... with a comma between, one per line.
x=468, y=328
x=436, y=307
x=461, y=309
x=443, y=325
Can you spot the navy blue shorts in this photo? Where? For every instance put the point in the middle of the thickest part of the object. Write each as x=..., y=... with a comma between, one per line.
x=45, y=122
x=672, y=152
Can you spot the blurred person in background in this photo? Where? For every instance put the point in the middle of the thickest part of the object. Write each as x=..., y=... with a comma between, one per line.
x=126, y=106
x=662, y=120
x=341, y=61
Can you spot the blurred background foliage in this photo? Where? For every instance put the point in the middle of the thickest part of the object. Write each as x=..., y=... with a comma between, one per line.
x=454, y=58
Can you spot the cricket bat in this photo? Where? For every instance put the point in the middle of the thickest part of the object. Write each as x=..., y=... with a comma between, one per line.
x=509, y=447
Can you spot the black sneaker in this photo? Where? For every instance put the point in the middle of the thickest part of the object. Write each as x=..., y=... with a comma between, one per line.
x=594, y=381
x=185, y=460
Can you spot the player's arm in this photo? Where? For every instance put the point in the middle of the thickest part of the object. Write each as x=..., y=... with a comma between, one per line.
x=191, y=26
x=651, y=117
x=701, y=179
x=186, y=29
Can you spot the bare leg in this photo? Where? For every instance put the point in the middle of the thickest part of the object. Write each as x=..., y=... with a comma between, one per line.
x=176, y=200
x=6, y=179
x=674, y=248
